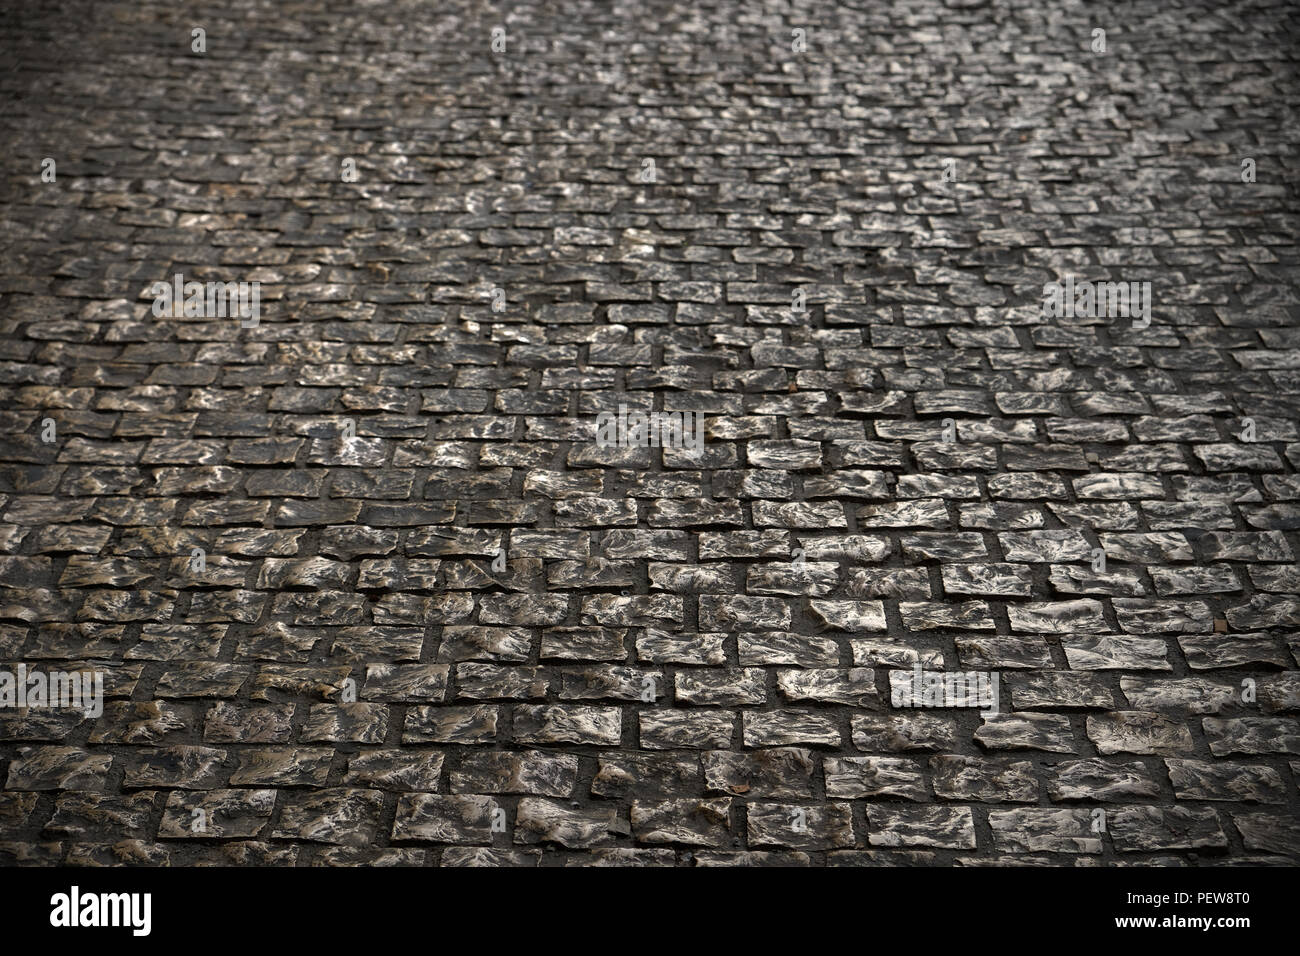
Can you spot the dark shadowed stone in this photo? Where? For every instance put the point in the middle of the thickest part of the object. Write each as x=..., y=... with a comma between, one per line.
x=1058, y=617
x=494, y=681
x=785, y=727
x=121, y=853
x=396, y=683
x=152, y=722
x=488, y=856
x=887, y=652
x=462, y=642
x=57, y=768
x=996, y=653
x=800, y=827
x=1229, y=782
x=1138, y=732
x=1096, y=652
x=660, y=647
x=848, y=615
x=1055, y=690
x=83, y=815
x=1050, y=732
x=229, y=723
x=993, y=580
x=725, y=688
x=439, y=622
x=283, y=766
x=530, y=772
x=756, y=858
x=938, y=827
x=186, y=767
x=1269, y=832
x=395, y=770
x=855, y=687
x=647, y=775
x=850, y=778
x=1144, y=829
x=1042, y=830
x=779, y=647
x=450, y=725
x=337, y=723
x=1190, y=695
x=777, y=772
x=1251, y=735
x=681, y=729
x=1214, y=651
x=904, y=733
x=583, y=643
x=974, y=779
x=1095, y=779
x=548, y=821
x=216, y=814
x=345, y=816
x=690, y=821
x=742, y=613
x=568, y=723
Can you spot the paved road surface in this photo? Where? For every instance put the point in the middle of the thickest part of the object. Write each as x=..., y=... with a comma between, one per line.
x=363, y=586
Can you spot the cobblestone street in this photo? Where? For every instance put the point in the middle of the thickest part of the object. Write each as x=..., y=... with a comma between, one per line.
x=690, y=434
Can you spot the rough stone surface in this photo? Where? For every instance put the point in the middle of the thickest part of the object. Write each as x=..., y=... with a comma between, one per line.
x=366, y=587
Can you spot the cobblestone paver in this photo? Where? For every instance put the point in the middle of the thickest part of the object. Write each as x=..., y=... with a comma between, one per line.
x=364, y=584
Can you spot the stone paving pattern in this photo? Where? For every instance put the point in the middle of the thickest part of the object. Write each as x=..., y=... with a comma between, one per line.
x=515, y=696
